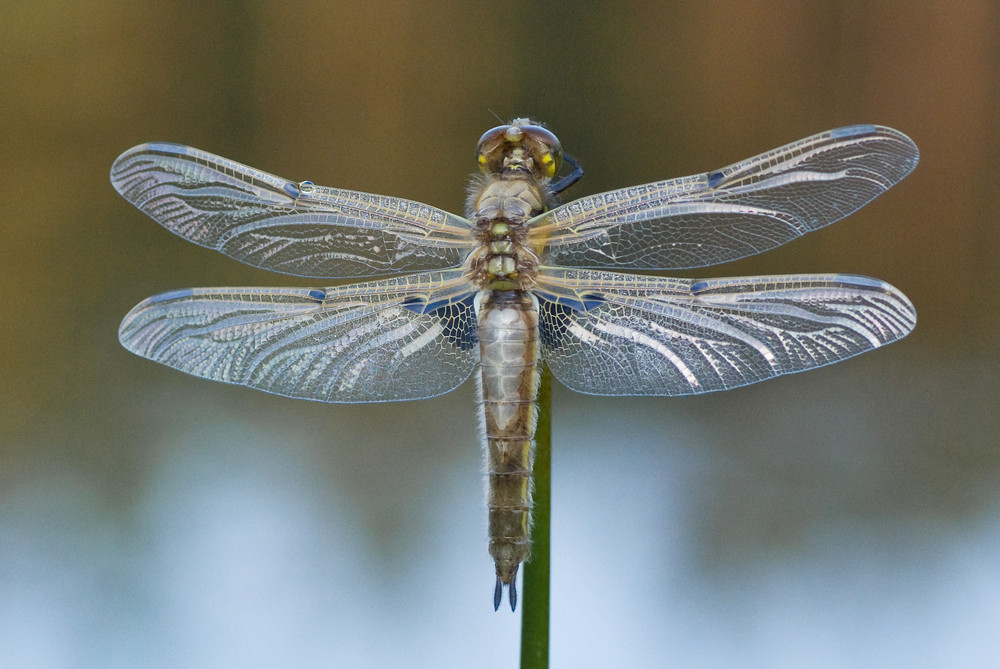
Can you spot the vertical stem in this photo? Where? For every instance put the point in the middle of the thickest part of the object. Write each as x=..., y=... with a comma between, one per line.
x=535, y=597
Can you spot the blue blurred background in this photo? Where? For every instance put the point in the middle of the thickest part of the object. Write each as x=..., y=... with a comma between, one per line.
x=848, y=517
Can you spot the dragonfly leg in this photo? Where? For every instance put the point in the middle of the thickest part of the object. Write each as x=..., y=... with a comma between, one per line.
x=571, y=178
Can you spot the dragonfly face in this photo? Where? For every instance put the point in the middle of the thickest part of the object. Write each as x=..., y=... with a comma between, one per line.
x=517, y=280
x=521, y=146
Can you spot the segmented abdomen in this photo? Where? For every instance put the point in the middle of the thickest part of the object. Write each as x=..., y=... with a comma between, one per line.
x=508, y=344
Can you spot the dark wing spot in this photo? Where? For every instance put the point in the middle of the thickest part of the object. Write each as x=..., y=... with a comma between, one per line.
x=415, y=304
x=318, y=295
x=171, y=295
x=555, y=312
x=589, y=301
x=714, y=178
x=458, y=317
x=852, y=130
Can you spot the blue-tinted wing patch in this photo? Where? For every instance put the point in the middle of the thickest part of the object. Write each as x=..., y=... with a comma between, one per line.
x=172, y=295
x=852, y=130
x=457, y=316
x=554, y=312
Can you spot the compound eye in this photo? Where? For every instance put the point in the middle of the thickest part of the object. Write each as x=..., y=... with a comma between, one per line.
x=491, y=136
x=490, y=144
x=543, y=136
x=549, y=150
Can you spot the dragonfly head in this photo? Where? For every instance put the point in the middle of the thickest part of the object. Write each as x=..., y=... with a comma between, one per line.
x=521, y=146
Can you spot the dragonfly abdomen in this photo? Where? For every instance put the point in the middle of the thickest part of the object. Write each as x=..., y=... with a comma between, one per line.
x=509, y=374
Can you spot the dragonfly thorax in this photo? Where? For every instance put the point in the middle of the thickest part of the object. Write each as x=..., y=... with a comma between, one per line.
x=501, y=207
x=502, y=260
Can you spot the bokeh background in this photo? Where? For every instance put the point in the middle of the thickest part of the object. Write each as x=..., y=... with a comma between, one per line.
x=848, y=517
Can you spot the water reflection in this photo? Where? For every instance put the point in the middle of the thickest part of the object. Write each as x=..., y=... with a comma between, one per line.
x=243, y=549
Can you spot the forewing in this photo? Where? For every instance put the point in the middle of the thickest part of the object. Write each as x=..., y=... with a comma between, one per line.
x=286, y=226
x=404, y=338
x=605, y=333
x=738, y=211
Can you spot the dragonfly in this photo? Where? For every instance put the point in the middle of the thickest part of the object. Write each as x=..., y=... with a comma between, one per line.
x=520, y=279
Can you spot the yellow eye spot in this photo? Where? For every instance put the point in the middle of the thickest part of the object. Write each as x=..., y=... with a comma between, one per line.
x=482, y=160
x=550, y=164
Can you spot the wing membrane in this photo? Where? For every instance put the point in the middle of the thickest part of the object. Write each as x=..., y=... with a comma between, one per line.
x=286, y=226
x=621, y=334
x=404, y=338
x=740, y=210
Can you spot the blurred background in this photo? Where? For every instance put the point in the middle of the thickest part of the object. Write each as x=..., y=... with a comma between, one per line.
x=848, y=517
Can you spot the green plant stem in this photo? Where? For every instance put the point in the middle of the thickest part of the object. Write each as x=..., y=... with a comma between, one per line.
x=535, y=597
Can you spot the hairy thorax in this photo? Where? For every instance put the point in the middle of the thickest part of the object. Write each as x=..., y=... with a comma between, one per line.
x=501, y=206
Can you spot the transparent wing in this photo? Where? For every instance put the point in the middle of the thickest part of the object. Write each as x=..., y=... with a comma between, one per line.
x=621, y=334
x=404, y=338
x=731, y=213
x=286, y=226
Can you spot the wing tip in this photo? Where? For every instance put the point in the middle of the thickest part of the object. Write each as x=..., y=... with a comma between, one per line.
x=908, y=148
x=160, y=147
x=877, y=284
x=121, y=167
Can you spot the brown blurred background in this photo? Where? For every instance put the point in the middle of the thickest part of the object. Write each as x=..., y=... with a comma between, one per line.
x=148, y=518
